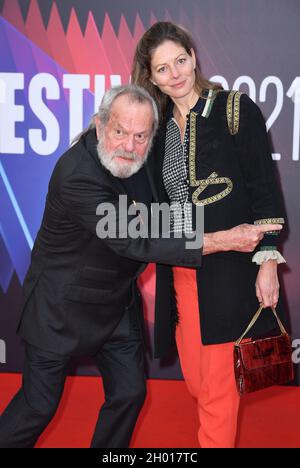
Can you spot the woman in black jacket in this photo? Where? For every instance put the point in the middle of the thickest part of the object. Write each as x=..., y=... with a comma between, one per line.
x=211, y=150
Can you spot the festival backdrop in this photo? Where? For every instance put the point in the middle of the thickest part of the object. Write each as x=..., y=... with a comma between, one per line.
x=57, y=58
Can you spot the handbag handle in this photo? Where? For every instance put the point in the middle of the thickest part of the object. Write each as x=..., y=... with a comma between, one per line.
x=256, y=316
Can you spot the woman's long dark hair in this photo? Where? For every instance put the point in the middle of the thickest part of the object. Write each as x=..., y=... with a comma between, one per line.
x=153, y=38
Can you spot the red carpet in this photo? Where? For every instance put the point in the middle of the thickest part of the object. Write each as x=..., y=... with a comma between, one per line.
x=270, y=418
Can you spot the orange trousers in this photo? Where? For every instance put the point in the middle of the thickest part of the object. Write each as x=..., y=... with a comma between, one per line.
x=208, y=370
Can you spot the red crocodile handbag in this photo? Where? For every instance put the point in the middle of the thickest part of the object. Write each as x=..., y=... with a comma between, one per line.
x=263, y=362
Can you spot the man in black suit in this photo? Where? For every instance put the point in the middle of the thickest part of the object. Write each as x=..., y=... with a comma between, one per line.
x=80, y=294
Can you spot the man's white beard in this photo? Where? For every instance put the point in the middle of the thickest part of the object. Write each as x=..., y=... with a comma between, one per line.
x=123, y=170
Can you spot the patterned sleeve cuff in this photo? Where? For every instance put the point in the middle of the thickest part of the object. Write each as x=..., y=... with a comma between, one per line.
x=264, y=256
x=270, y=239
x=270, y=221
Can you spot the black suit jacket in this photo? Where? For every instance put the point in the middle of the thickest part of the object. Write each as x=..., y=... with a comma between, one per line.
x=78, y=286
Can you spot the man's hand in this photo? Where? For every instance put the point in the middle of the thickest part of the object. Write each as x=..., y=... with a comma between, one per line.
x=267, y=284
x=246, y=237
x=242, y=238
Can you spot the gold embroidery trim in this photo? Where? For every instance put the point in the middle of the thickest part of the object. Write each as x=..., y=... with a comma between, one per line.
x=192, y=153
x=213, y=179
x=270, y=221
x=233, y=111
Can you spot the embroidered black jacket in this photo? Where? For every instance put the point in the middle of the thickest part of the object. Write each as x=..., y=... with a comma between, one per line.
x=234, y=177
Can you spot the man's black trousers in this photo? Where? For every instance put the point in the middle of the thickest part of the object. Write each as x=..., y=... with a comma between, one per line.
x=121, y=364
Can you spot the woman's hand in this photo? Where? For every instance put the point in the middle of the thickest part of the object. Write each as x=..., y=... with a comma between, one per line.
x=267, y=284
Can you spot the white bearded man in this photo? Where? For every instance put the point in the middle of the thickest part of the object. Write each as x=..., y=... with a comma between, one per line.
x=80, y=293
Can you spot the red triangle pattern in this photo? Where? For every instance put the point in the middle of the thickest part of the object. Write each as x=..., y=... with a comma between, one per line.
x=12, y=13
x=34, y=28
x=77, y=52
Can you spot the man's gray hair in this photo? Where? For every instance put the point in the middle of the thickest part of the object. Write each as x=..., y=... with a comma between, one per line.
x=135, y=94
